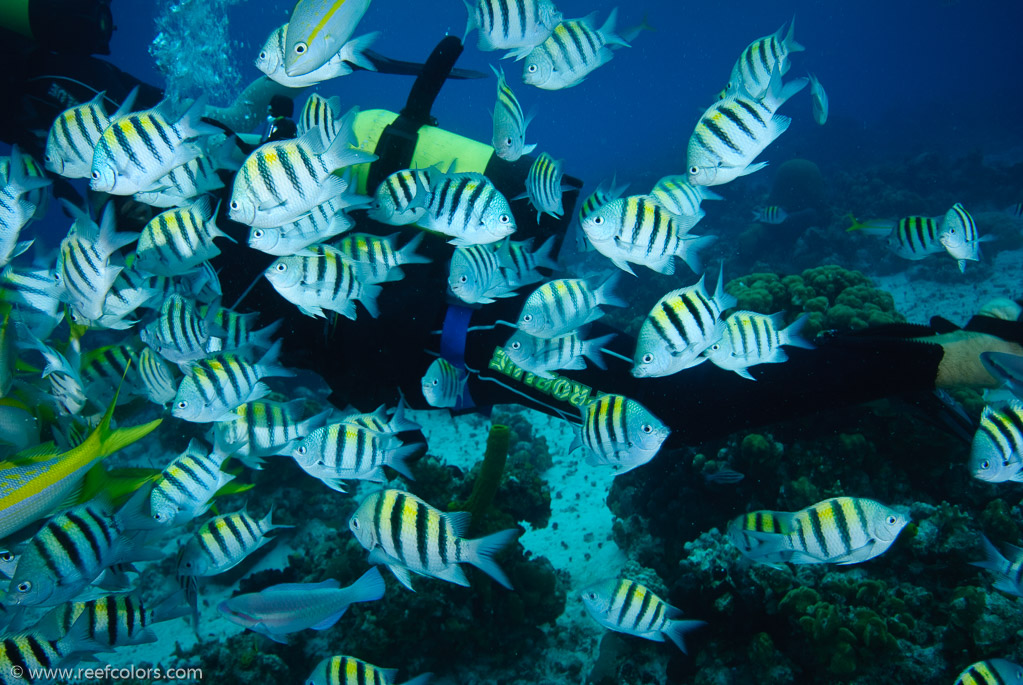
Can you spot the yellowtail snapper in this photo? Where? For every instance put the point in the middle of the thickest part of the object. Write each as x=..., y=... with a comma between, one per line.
x=317, y=30
x=271, y=60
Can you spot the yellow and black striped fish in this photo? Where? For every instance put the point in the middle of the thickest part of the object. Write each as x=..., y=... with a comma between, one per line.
x=378, y=257
x=319, y=278
x=186, y=487
x=510, y=123
x=347, y=670
x=996, y=455
x=159, y=382
x=408, y=535
x=560, y=306
x=465, y=206
x=619, y=432
x=322, y=114
x=544, y=187
x=179, y=239
x=741, y=528
x=991, y=672
x=392, y=201
x=626, y=606
x=682, y=199
x=261, y=429
x=113, y=620
x=443, y=384
x=76, y=131
x=751, y=338
x=179, y=334
x=752, y=71
x=574, y=49
x=515, y=25
x=344, y=451
x=223, y=542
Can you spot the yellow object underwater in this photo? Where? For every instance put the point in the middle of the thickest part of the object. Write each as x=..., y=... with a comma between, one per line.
x=36, y=482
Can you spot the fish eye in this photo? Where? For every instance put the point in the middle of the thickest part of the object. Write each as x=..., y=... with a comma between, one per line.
x=647, y=358
x=281, y=267
x=6, y=556
x=504, y=218
x=507, y=141
x=258, y=233
x=300, y=48
x=95, y=175
x=182, y=404
x=262, y=54
x=647, y=428
x=531, y=68
x=516, y=345
x=158, y=516
x=598, y=220
x=24, y=586
x=301, y=449
x=715, y=347
x=355, y=523
x=985, y=464
x=591, y=595
x=234, y=204
x=890, y=520
x=694, y=169
x=435, y=381
x=527, y=318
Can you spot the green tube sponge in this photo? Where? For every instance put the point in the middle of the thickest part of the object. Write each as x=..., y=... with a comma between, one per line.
x=489, y=478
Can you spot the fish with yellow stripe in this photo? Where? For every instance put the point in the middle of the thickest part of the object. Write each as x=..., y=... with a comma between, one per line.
x=991, y=672
x=750, y=338
x=840, y=530
x=321, y=223
x=223, y=542
x=347, y=670
x=637, y=230
x=261, y=429
x=138, y=149
x=740, y=529
x=392, y=200
x=544, y=186
x=996, y=455
x=465, y=206
x=625, y=606
x=760, y=59
x=33, y=651
x=39, y=480
x=179, y=239
x=282, y=180
x=380, y=261
x=619, y=432
x=114, y=620
x=560, y=306
x=186, y=487
x=515, y=25
x=344, y=451
x=76, y=131
x=573, y=50
x=682, y=199
x=509, y=139
x=320, y=278
x=352, y=55
x=317, y=30
x=408, y=535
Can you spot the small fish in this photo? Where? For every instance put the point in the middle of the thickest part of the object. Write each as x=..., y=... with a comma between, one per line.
x=185, y=182
x=996, y=455
x=544, y=187
x=564, y=304
x=679, y=328
x=819, y=99
x=619, y=432
x=66, y=385
x=734, y=131
x=724, y=476
x=261, y=429
x=915, y=237
x=179, y=334
x=626, y=606
x=320, y=278
x=184, y=490
x=750, y=338
x=323, y=222
x=344, y=451
x=74, y=134
x=408, y=535
x=761, y=58
x=317, y=30
x=465, y=206
x=573, y=50
x=682, y=200
x=637, y=230
x=959, y=236
x=322, y=114
x=137, y=150
x=477, y=274
x=841, y=530
x=742, y=530
x=542, y=356
x=1007, y=569
x=113, y=620
x=282, y=180
x=347, y=670
x=16, y=207
x=179, y=239
x=379, y=260
x=443, y=384
x=521, y=263
x=510, y=123
x=773, y=215
x=514, y=25
x=213, y=388
x=32, y=652
x=990, y=671
x=159, y=383
x=351, y=55
x=382, y=421
x=392, y=201
x=223, y=542
x=287, y=608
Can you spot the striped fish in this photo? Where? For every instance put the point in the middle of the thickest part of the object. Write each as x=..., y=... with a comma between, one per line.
x=637, y=230
x=75, y=133
x=761, y=58
x=510, y=123
x=179, y=239
x=841, y=530
x=352, y=55
x=323, y=222
x=347, y=670
x=281, y=180
x=604, y=193
x=1008, y=569
x=619, y=432
x=105, y=368
x=383, y=421
x=991, y=672
x=515, y=25
x=234, y=332
x=183, y=183
x=465, y=206
x=477, y=274
x=915, y=237
x=572, y=51
x=16, y=205
x=158, y=381
x=541, y=356
x=772, y=215
x=84, y=268
x=408, y=535
x=113, y=620
x=37, y=289
x=741, y=531
x=377, y=256
x=682, y=200
x=344, y=451
x=750, y=338
x=213, y=388
x=261, y=429
x=137, y=150
x=223, y=542
x=179, y=334
x=626, y=606
x=129, y=291
x=323, y=115
x=959, y=236
x=734, y=131
x=317, y=31
x=392, y=201
x=184, y=490
x=521, y=262
x=66, y=385
x=819, y=99
x=564, y=304
x=319, y=279
x=33, y=652
x=544, y=187
x=996, y=455
x=443, y=384
x=68, y=553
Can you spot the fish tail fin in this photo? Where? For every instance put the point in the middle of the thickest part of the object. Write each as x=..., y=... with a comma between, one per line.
x=398, y=459
x=480, y=553
x=268, y=365
x=191, y=123
x=358, y=49
x=399, y=423
x=344, y=150
x=609, y=30
x=544, y=255
x=689, y=251
x=793, y=333
x=591, y=349
x=368, y=588
x=368, y=298
x=790, y=37
x=676, y=629
x=724, y=300
x=407, y=254
x=470, y=22
x=604, y=294
x=993, y=559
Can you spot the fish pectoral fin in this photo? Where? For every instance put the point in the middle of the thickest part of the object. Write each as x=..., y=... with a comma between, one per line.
x=268, y=205
x=262, y=629
x=330, y=620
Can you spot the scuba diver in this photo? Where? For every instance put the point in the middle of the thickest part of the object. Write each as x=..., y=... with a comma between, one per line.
x=375, y=361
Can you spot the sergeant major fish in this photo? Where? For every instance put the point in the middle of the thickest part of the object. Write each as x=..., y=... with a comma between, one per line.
x=542, y=356
x=179, y=239
x=564, y=304
x=1008, y=570
x=510, y=123
x=991, y=672
x=682, y=200
x=515, y=25
x=626, y=606
x=772, y=215
x=344, y=451
x=750, y=338
x=392, y=201
x=465, y=206
x=323, y=222
x=260, y=429
x=443, y=385
x=347, y=670
x=319, y=278
x=76, y=131
x=223, y=542
x=758, y=61
x=619, y=432
x=544, y=186
x=959, y=236
x=574, y=49
x=996, y=454
x=184, y=490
